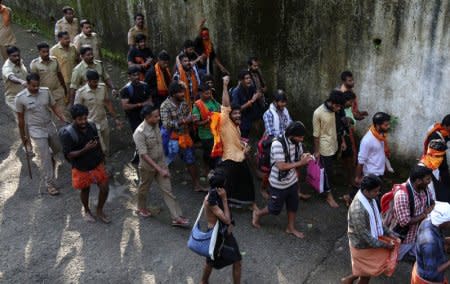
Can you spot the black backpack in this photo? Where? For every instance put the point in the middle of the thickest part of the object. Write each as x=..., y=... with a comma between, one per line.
x=70, y=129
x=264, y=146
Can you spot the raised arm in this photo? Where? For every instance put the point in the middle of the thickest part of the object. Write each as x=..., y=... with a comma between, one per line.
x=225, y=93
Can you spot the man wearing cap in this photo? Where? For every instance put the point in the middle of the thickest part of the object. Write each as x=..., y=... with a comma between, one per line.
x=68, y=23
x=7, y=37
x=431, y=246
x=95, y=97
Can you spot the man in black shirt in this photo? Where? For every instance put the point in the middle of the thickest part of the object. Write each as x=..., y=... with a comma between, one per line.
x=82, y=149
x=140, y=56
x=135, y=95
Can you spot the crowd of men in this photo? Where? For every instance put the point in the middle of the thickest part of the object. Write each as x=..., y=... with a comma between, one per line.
x=63, y=100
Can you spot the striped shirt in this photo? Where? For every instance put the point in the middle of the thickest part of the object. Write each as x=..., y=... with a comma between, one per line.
x=277, y=155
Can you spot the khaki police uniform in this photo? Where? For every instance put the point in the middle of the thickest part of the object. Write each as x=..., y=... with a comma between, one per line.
x=48, y=72
x=135, y=31
x=94, y=100
x=11, y=88
x=7, y=38
x=42, y=131
x=62, y=25
x=93, y=41
x=148, y=141
x=67, y=60
x=79, y=73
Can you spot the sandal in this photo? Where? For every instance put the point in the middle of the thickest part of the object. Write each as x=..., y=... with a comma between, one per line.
x=52, y=190
x=144, y=213
x=181, y=222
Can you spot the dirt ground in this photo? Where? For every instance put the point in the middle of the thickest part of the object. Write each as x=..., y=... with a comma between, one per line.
x=43, y=239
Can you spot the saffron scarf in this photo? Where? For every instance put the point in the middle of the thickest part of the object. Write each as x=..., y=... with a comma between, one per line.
x=433, y=158
x=6, y=16
x=383, y=138
x=217, y=150
x=160, y=80
x=437, y=127
x=184, y=78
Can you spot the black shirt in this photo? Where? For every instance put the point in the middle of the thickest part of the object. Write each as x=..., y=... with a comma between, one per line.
x=139, y=56
x=135, y=94
x=199, y=49
x=89, y=160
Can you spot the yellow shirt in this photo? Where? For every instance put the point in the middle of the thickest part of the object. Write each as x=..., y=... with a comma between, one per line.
x=93, y=41
x=133, y=32
x=9, y=68
x=67, y=59
x=324, y=128
x=94, y=100
x=231, y=137
x=6, y=35
x=79, y=73
x=62, y=25
x=48, y=71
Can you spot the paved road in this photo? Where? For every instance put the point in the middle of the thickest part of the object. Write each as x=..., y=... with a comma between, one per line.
x=43, y=239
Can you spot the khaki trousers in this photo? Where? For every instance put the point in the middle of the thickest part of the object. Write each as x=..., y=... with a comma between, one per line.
x=104, y=136
x=46, y=149
x=164, y=185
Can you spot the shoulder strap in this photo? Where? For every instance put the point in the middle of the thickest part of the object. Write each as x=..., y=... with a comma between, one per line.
x=73, y=133
x=411, y=199
x=130, y=89
x=282, y=140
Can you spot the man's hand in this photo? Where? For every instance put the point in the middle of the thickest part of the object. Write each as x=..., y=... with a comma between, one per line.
x=316, y=155
x=358, y=180
x=226, y=80
x=222, y=193
x=304, y=160
x=164, y=172
x=115, y=93
x=429, y=209
x=90, y=145
x=24, y=83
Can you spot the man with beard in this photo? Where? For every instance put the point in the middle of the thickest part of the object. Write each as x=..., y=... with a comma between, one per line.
x=94, y=96
x=67, y=56
x=433, y=159
x=140, y=55
x=48, y=69
x=138, y=28
x=134, y=96
x=189, y=50
x=326, y=138
x=82, y=149
x=68, y=23
x=246, y=96
x=374, y=150
x=239, y=186
x=158, y=78
x=14, y=75
x=440, y=131
x=7, y=37
x=347, y=85
x=176, y=121
x=79, y=72
x=87, y=37
x=204, y=47
x=33, y=109
x=188, y=75
x=407, y=218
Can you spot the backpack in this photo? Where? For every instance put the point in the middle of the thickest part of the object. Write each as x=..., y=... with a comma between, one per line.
x=387, y=207
x=264, y=147
x=72, y=132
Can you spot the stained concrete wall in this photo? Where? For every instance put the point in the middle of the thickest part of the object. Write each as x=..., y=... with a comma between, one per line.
x=303, y=46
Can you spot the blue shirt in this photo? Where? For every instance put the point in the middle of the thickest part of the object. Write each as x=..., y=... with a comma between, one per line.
x=430, y=252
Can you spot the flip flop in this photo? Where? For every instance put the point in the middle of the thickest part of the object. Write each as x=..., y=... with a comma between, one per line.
x=183, y=223
x=52, y=191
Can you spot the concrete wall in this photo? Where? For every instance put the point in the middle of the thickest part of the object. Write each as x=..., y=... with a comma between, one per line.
x=304, y=45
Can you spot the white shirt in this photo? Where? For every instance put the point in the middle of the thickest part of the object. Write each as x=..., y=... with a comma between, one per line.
x=371, y=155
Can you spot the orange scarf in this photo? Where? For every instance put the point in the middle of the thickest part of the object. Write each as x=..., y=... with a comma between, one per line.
x=217, y=150
x=437, y=127
x=160, y=81
x=183, y=78
x=433, y=158
x=383, y=138
x=6, y=16
x=207, y=47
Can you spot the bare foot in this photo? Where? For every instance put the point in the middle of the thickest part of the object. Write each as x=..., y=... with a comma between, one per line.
x=88, y=217
x=332, y=202
x=103, y=217
x=255, y=219
x=349, y=279
x=296, y=233
x=347, y=200
x=265, y=194
x=304, y=196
